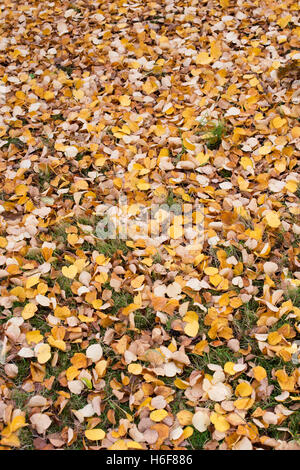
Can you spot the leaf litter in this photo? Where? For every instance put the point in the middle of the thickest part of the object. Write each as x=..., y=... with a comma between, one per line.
x=129, y=344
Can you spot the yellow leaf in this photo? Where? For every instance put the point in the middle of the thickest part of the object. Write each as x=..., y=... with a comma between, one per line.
x=158, y=415
x=78, y=94
x=187, y=432
x=70, y=272
x=283, y=21
x=215, y=280
x=220, y=422
x=191, y=316
x=11, y=441
x=175, y=232
x=72, y=372
x=259, y=373
x=291, y=186
x=79, y=360
x=124, y=100
x=143, y=186
x=101, y=260
x=191, y=329
x=202, y=158
x=215, y=50
x=49, y=95
x=286, y=383
x=62, y=312
x=137, y=282
x=278, y=122
x=100, y=367
x=17, y=423
x=119, y=445
x=181, y=384
x=229, y=368
x=200, y=347
x=265, y=149
x=135, y=369
x=97, y=304
x=44, y=353
x=150, y=86
x=236, y=302
x=80, y=264
x=243, y=184
x=96, y=434
x=72, y=238
x=244, y=403
x=272, y=219
x=147, y=261
x=295, y=132
x=246, y=163
x=274, y=338
x=118, y=182
x=203, y=58
x=29, y=311
x=243, y=389
x=21, y=190
x=34, y=337
x=86, y=319
x=184, y=417
x=31, y=281
x=57, y=343
x=3, y=242
x=188, y=145
x=159, y=130
x=101, y=278
x=210, y=271
x=134, y=445
x=253, y=81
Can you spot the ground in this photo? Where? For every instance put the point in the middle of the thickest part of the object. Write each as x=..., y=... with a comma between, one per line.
x=149, y=225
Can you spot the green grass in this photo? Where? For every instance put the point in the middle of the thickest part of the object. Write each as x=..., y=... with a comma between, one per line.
x=26, y=439
x=59, y=233
x=15, y=141
x=44, y=177
x=182, y=151
x=218, y=356
x=213, y=133
x=294, y=296
x=65, y=284
x=245, y=319
x=144, y=319
x=233, y=250
x=120, y=410
x=34, y=254
x=23, y=371
x=198, y=439
x=20, y=397
x=62, y=364
x=67, y=69
x=294, y=425
x=38, y=322
x=226, y=174
x=157, y=258
x=57, y=117
x=110, y=247
x=214, y=258
x=171, y=198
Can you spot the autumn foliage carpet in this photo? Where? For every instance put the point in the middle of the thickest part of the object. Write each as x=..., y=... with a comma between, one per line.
x=149, y=342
